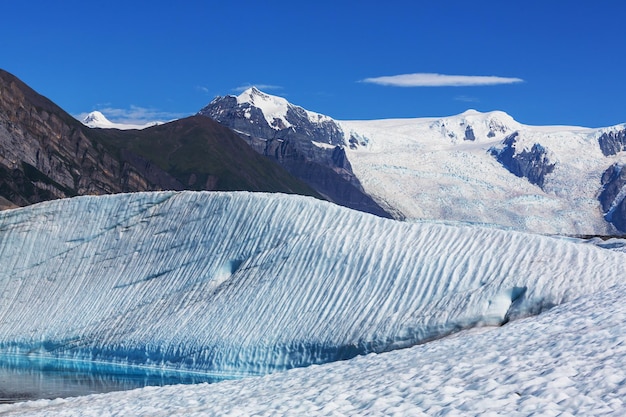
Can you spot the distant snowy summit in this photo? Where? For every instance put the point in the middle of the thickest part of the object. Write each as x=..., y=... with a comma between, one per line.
x=278, y=112
x=96, y=119
x=473, y=167
x=264, y=111
x=309, y=145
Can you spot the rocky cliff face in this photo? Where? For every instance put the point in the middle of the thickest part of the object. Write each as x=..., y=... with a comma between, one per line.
x=309, y=145
x=532, y=164
x=612, y=143
x=47, y=154
x=613, y=195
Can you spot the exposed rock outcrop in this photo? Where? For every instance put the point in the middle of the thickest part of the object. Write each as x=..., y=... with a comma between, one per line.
x=613, y=196
x=532, y=164
x=45, y=153
x=612, y=143
x=469, y=134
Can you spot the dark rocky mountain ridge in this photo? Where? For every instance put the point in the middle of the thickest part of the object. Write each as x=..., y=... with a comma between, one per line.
x=533, y=165
x=613, y=195
x=612, y=143
x=46, y=154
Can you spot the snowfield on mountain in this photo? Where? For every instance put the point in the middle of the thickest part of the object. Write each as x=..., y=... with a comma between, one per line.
x=474, y=167
x=447, y=168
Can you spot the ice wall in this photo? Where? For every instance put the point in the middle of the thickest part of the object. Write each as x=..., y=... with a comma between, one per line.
x=242, y=283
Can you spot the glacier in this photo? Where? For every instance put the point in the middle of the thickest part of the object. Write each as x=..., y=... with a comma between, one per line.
x=239, y=284
x=444, y=168
x=482, y=168
x=567, y=361
x=474, y=167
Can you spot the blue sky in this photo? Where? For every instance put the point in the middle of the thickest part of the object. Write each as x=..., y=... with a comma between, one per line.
x=546, y=62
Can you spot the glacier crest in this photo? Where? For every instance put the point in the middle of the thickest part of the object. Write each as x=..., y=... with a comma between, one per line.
x=242, y=283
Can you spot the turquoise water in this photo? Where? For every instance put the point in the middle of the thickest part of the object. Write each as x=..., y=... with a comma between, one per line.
x=25, y=378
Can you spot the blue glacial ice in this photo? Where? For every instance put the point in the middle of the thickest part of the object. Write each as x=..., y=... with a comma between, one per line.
x=238, y=284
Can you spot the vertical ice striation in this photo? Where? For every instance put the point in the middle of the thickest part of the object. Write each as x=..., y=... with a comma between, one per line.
x=242, y=283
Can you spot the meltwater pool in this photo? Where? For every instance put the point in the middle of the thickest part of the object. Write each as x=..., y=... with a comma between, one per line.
x=26, y=378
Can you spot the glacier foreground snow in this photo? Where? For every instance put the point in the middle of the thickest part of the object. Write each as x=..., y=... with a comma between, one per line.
x=237, y=284
x=567, y=361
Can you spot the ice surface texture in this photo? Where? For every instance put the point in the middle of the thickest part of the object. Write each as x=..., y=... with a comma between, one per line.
x=243, y=284
x=566, y=362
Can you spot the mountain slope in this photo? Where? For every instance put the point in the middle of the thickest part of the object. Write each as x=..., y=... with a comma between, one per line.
x=473, y=167
x=203, y=155
x=307, y=144
x=545, y=179
x=46, y=154
x=250, y=283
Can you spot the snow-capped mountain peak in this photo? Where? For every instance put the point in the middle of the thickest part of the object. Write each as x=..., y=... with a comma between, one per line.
x=474, y=125
x=253, y=94
x=309, y=145
x=96, y=119
x=254, y=106
x=274, y=108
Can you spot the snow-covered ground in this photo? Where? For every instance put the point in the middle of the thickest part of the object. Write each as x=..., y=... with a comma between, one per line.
x=426, y=169
x=246, y=284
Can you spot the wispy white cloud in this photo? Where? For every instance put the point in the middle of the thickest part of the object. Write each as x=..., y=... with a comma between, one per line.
x=202, y=89
x=135, y=115
x=467, y=99
x=263, y=87
x=439, y=80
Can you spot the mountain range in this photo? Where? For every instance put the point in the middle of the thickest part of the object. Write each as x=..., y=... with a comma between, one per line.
x=46, y=154
x=474, y=167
